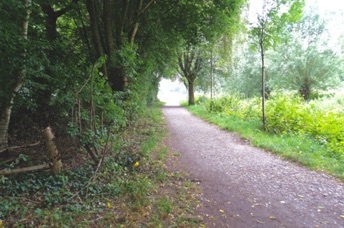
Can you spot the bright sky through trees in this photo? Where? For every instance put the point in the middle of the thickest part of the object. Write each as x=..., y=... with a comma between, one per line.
x=332, y=11
x=172, y=92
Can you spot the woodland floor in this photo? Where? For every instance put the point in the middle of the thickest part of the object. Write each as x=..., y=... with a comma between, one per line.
x=243, y=186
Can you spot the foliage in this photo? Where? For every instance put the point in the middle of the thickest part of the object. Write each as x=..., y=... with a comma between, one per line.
x=295, y=130
x=244, y=77
x=305, y=63
x=12, y=45
x=76, y=198
x=275, y=17
x=332, y=100
x=292, y=115
x=287, y=114
x=234, y=105
x=79, y=57
x=190, y=63
x=195, y=21
x=267, y=33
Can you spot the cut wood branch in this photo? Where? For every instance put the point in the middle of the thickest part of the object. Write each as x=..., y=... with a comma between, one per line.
x=9, y=160
x=25, y=169
x=19, y=147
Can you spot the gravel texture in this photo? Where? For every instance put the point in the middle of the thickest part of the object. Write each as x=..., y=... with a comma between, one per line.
x=244, y=186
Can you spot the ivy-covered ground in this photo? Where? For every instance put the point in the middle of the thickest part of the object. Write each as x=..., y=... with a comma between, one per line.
x=132, y=187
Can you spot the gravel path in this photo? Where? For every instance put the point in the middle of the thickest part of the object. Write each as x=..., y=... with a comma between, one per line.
x=248, y=187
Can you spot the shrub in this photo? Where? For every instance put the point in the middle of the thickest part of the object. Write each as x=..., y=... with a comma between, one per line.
x=328, y=129
x=289, y=113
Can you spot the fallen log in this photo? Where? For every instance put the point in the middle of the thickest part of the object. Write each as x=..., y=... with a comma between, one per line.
x=55, y=166
x=19, y=147
x=24, y=169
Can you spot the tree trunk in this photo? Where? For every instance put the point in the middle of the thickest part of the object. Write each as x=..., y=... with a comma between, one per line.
x=191, y=93
x=107, y=13
x=4, y=122
x=117, y=78
x=95, y=28
x=305, y=90
x=52, y=150
x=5, y=113
x=263, y=75
x=135, y=28
x=211, y=80
x=44, y=94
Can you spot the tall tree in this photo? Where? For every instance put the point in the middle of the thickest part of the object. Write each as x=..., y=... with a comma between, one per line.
x=11, y=85
x=204, y=22
x=112, y=30
x=268, y=30
x=190, y=63
x=306, y=63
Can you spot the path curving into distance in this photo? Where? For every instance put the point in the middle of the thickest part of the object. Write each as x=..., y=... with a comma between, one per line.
x=248, y=187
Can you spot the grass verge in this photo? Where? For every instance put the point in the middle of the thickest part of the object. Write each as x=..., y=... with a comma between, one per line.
x=133, y=188
x=299, y=148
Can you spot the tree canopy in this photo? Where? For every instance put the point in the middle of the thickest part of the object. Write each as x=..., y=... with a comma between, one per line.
x=79, y=61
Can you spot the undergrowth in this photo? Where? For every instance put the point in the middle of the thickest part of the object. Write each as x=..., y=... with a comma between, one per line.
x=294, y=128
x=132, y=188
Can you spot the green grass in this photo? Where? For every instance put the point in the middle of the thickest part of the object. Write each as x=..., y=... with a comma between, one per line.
x=298, y=148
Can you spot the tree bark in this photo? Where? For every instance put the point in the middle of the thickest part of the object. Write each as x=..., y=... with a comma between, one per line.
x=261, y=44
x=53, y=152
x=190, y=64
x=211, y=79
x=127, y=17
x=51, y=19
x=117, y=78
x=110, y=46
x=305, y=90
x=5, y=113
x=95, y=28
x=43, y=94
x=191, y=93
x=4, y=122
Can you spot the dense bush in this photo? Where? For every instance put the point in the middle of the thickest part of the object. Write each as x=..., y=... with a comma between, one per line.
x=232, y=105
x=287, y=113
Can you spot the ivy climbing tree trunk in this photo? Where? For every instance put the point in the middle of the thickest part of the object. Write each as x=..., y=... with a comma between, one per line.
x=15, y=83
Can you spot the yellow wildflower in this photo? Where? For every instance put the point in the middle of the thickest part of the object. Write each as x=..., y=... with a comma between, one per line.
x=136, y=164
